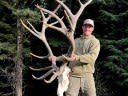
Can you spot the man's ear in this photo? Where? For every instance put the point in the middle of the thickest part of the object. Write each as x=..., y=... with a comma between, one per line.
x=93, y=29
x=82, y=27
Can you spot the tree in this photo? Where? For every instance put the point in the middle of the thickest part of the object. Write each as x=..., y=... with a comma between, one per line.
x=12, y=53
x=110, y=18
x=111, y=27
x=7, y=49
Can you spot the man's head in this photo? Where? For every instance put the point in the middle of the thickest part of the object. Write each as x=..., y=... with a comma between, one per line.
x=88, y=21
x=88, y=27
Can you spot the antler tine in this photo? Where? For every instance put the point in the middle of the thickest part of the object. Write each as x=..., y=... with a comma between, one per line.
x=56, y=22
x=49, y=16
x=52, y=78
x=57, y=73
x=38, y=35
x=65, y=7
x=40, y=69
x=57, y=8
x=35, y=33
x=69, y=20
x=40, y=57
x=63, y=28
x=70, y=15
x=82, y=6
x=44, y=76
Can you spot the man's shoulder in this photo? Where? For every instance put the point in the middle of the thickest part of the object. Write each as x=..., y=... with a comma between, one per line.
x=92, y=37
x=78, y=38
x=95, y=39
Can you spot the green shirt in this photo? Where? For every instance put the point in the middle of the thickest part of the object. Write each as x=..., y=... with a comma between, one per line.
x=87, y=50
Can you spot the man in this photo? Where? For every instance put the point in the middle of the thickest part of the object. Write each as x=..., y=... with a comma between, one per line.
x=82, y=62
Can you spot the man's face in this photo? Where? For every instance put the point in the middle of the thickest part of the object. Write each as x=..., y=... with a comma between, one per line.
x=87, y=29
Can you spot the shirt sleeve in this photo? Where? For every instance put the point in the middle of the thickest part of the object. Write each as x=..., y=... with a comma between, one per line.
x=92, y=55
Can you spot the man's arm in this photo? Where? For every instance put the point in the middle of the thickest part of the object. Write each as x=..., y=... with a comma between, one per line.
x=92, y=55
x=89, y=57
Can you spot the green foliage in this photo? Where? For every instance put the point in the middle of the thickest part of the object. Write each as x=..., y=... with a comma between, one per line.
x=6, y=51
x=111, y=18
x=11, y=13
x=115, y=61
x=5, y=27
x=56, y=42
x=29, y=14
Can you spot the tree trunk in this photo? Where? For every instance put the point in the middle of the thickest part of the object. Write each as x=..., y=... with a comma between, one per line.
x=19, y=61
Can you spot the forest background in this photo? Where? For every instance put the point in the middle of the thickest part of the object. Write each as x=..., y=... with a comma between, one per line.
x=16, y=44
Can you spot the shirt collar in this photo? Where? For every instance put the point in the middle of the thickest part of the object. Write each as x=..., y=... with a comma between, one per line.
x=86, y=37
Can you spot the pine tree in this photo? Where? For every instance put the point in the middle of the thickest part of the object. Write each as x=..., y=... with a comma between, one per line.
x=11, y=57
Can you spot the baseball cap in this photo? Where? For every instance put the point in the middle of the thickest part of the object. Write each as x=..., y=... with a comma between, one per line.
x=88, y=21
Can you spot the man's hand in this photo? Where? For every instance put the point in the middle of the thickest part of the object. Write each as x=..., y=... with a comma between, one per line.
x=52, y=59
x=73, y=57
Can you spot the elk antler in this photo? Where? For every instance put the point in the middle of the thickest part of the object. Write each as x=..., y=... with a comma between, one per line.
x=41, y=36
x=69, y=33
x=72, y=19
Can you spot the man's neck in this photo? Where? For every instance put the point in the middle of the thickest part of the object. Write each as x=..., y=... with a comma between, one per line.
x=86, y=36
